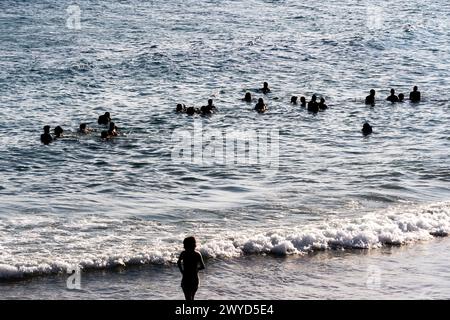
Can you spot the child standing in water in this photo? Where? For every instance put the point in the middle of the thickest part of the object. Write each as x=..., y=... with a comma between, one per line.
x=190, y=263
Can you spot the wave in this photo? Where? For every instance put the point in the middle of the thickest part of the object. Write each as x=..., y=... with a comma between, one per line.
x=393, y=227
x=399, y=226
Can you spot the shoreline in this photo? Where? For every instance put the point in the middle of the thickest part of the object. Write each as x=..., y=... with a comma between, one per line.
x=402, y=226
x=318, y=275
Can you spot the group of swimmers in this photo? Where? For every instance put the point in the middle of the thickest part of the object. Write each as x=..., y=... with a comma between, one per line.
x=190, y=261
x=104, y=120
x=204, y=110
x=47, y=138
x=261, y=106
x=312, y=106
x=414, y=96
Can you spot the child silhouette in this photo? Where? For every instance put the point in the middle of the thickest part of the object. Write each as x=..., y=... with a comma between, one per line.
x=190, y=262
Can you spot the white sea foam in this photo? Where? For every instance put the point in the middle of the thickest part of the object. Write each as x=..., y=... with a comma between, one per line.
x=126, y=245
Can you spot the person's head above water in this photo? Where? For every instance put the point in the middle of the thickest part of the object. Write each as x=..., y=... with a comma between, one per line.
x=392, y=91
x=46, y=137
x=401, y=97
x=190, y=111
x=248, y=97
x=210, y=102
x=367, y=129
x=414, y=96
x=294, y=99
x=179, y=107
x=265, y=88
x=104, y=119
x=303, y=100
x=190, y=243
x=261, y=106
x=322, y=105
x=314, y=97
x=58, y=131
x=372, y=92
x=112, y=126
x=83, y=127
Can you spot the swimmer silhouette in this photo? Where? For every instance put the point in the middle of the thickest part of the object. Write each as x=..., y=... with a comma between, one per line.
x=112, y=130
x=414, y=96
x=208, y=109
x=46, y=137
x=211, y=106
x=367, y=129
x=58, y=132
x=392, y=98
x=401, y=97
x=294, y=99
x=83, y=129
x=248, y=97
x=265, y=89
x=370, y=99
x=261, y=106
x=104, y=119
x=181, y=108
x=313, y=106
x=105, y=135
x=205, y=110
x=190, y=111
x=303, y=102
x=190, y=263
x=322, y=105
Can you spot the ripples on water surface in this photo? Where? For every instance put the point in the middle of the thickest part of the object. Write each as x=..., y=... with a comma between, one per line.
x=84, y=201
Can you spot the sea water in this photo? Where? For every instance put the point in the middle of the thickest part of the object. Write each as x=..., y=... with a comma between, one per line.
x=333, y=214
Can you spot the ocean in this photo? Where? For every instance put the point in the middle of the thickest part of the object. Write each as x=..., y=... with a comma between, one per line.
x=322, y=212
